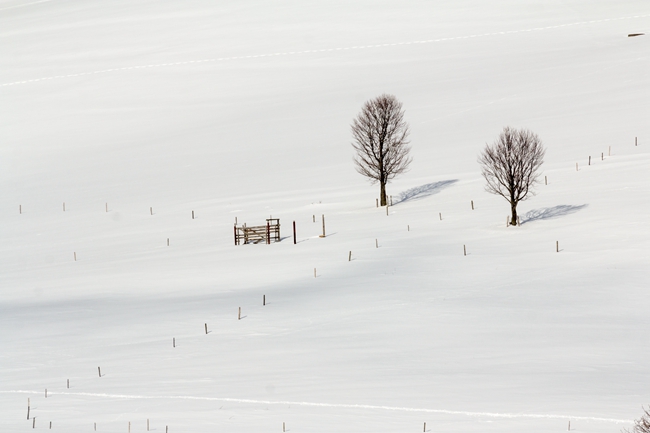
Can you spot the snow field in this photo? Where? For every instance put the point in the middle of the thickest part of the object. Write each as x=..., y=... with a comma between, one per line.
x=512, y=336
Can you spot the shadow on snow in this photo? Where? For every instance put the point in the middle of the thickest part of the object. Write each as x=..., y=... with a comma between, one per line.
x=423, y=191
x=550, y=212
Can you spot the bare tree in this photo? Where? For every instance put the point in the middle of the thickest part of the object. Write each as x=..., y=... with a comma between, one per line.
x=641, y=425
x=511, y=166
x=380, y=139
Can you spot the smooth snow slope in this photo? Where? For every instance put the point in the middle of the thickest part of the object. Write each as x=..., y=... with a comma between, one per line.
x=242, y=110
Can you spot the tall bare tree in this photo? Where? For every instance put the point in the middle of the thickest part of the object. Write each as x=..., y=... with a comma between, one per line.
x=381, y=141
x=511, y=166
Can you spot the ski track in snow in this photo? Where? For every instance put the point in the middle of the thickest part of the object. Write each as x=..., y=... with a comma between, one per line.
x=324, y=50
x=331, y=405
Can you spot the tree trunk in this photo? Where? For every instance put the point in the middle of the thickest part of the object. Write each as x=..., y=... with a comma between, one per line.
x=513, y=209
x=382, y=193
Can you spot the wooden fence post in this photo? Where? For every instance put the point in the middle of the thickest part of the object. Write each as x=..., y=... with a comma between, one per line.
x=323, y=235
x=268, y=233
x=464, y=250
x=294, y=232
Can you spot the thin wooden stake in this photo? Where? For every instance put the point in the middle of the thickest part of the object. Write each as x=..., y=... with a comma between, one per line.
x=129, y=426
x=239, y=314
x=34, y=422
x=464, y=250
x=263, y=300
x=27, y=411
x=408, y=227
x=50, y=425
x=377, y=202
x=20, y=208
x=283, y=428
x=323, y=235
x=106, y=207
x=545, y=180
x=45, y=392
x=75, y=256
x=63, y=206
x=147, y=424
x=425, y=427
x=602, y=156
x=192, y=214
x=376, y=244
x=635, y=141
x=95, y=426
x=440, y=215
x=206, y=329
x=391, y=200
x=235, y=220
x=589, y=159
x=507, y=221
x=350, y=257
x=167, y=241
x=576, y=166
x=174, y=342
x=386, y=209
x=569, y=426
x=472, y=204
x=294, y=233
x=150, y=211
x=314, y=272
x=68, y=384
x=99, y=371
x=557, y=246
x=609, y=151
x=166, y=429
x=313, y=218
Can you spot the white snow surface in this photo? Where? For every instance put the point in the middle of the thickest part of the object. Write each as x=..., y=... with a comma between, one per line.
x=242, y=109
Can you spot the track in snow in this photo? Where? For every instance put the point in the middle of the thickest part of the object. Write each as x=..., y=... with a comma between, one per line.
x=334, y=405
x=324, y=50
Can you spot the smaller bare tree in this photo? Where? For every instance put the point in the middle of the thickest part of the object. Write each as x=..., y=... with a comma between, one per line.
x=380, y=139
x=641, y=425
x=511, y=166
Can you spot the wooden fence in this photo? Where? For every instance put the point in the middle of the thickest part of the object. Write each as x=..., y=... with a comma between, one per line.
x=256, y=234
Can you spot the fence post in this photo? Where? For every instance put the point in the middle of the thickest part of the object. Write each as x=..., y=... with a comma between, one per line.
x=294, y=232
x=236, y=243
x=268, y=233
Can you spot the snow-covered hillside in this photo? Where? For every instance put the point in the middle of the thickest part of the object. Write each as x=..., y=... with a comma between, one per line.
x=241, y=110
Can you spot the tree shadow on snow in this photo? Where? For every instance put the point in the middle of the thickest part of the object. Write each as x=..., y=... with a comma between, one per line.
x=550, y=212
x=423, y=191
